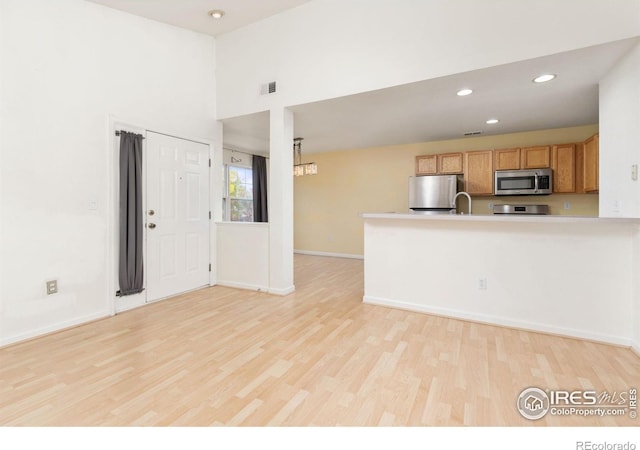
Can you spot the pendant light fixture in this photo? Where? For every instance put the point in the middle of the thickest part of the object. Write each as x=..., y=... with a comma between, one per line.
x=300, y=169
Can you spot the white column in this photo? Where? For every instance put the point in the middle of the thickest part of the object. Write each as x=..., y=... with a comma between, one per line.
x=281, y=202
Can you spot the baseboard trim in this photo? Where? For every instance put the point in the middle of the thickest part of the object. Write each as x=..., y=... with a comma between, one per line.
x=55, y=328
x=635, y=348
x=257, y=288
x=245, y=286
x=332, y=255
x=283, y=292
x=500, y=321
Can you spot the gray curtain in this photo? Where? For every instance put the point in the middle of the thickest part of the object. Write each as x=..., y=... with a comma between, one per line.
x=260, y=213
x=130, y=260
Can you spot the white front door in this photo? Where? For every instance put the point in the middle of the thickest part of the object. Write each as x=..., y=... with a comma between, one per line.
x=177, y=215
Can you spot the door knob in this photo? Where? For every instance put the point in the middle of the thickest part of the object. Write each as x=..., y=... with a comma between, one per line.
x=151, y=225
x=151, y=212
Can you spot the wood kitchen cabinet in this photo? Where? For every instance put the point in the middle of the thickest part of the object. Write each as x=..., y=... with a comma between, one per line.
x=444, y=163
x=478, y=172
x=522, y=158
x=535, y=157
x=590, y=169
x=450, y=163
x=507, y=159
x=426, y=165
x=563, y=163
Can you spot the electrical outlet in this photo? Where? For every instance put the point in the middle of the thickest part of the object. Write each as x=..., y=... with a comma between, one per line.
x=567, y=205
x=634, y=172
x=52, y=287
x=482, y=284
x=490, y=206
x=616, y=206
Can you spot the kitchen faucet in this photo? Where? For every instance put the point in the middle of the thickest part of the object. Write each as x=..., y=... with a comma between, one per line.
x=453, y=205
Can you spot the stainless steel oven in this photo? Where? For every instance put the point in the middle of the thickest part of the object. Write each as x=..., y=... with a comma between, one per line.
x=521, y=209
x=523, y=182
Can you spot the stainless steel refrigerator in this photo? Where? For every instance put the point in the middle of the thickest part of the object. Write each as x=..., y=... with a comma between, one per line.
x=433, y=194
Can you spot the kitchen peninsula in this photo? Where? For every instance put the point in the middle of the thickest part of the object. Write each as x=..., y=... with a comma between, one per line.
x=565, y=275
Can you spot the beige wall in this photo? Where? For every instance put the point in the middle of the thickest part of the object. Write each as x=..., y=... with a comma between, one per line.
x=348, y=183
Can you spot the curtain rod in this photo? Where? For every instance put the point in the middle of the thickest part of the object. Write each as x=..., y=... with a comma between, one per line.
x=118, y=134
x=239, y=151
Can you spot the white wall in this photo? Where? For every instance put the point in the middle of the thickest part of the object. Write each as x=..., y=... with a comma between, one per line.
x=330, y=48
x=619, y=150
x=635, y=312
x=561, y=276
x=243, y=255
x=66, y=67
x=620, y=138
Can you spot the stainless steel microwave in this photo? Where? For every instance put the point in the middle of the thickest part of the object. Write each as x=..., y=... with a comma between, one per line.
x=523, y=182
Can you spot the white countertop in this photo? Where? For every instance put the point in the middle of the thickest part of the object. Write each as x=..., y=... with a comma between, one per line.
x=498, y=218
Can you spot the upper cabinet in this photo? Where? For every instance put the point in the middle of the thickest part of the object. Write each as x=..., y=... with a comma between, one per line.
x=426, y=165
x=444, y=163
x=589, y=167
x=450, y=163
x=563, y=163
x=522, y=158
x=575, y=165
x=507, y=159
x=535, y=157
x=478, y=172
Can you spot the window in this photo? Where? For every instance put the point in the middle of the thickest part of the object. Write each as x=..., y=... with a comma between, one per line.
x=239, y=200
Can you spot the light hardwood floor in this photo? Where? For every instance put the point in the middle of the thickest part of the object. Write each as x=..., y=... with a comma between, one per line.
x=223, y=356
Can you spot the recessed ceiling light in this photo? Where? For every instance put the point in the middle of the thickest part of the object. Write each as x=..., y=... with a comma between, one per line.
x=463, y=92
x=544, y=78
x=216, y=13
x=492, y=121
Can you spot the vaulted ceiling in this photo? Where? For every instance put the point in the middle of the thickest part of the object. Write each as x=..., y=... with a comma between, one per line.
x=430, y=110
x=424, y=111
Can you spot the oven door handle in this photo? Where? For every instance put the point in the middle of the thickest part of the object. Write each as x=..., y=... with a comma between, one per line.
x=535, y=186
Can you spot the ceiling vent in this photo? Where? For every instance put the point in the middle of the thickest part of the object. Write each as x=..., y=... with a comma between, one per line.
x=268, y=88
x=472, y=133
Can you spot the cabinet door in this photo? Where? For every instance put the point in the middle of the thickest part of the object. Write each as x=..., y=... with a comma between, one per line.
x=426, y=165
x=563, y=163
x=507, y=159
x=536, y=157
x=478, y=172
x=580, y=168
x=450, y=163
x=591, y=164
